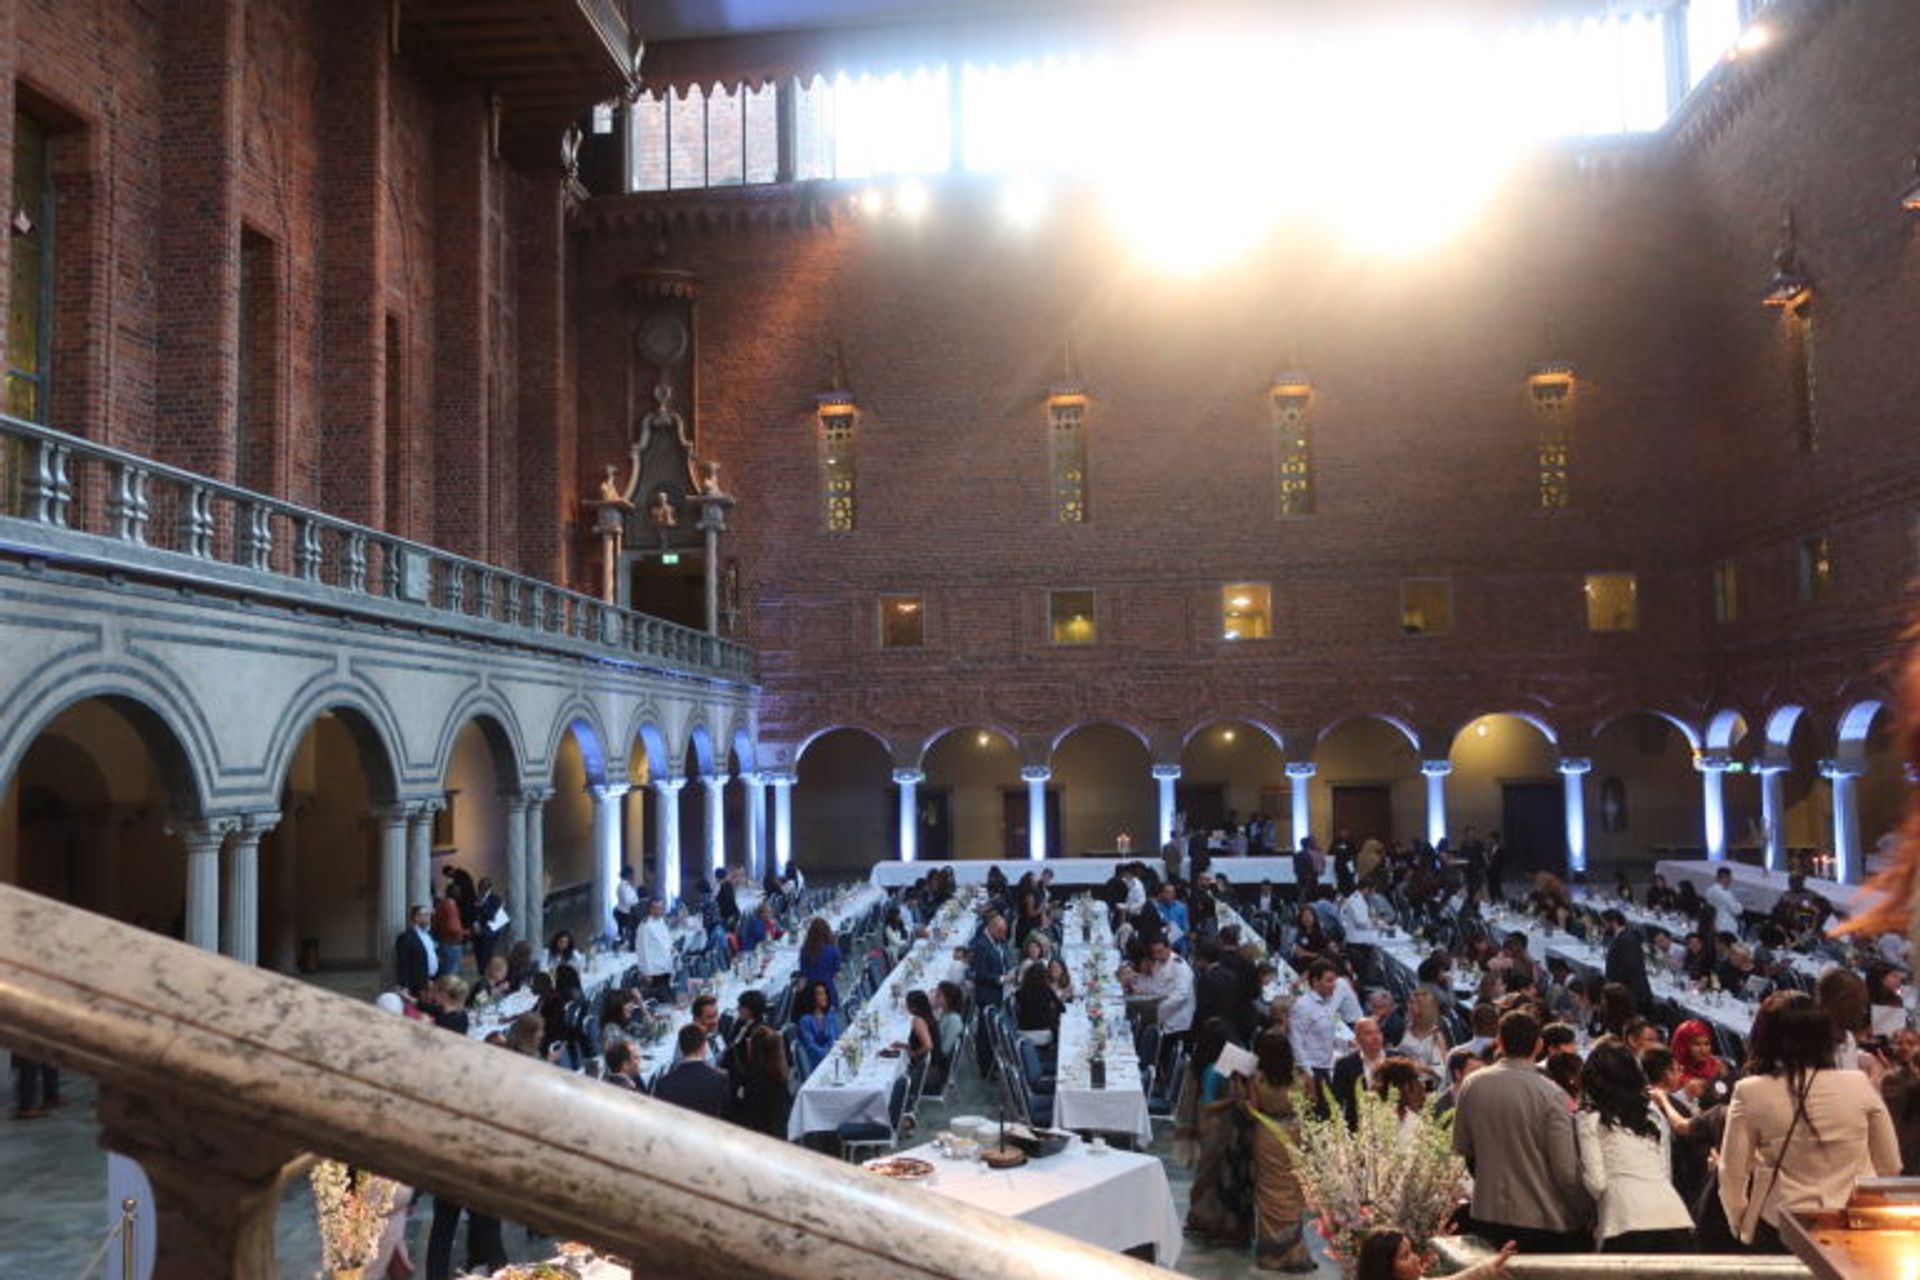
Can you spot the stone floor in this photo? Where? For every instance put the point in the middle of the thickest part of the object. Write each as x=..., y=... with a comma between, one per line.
x=53, y=1213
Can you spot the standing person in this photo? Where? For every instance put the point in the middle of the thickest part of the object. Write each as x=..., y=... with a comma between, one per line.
x=1626, y=1159
x=1627, y=959
x=415, y=958
x=489, y=921
x=1313, y=1027
x=1496, y=868
x=692, y=1081
x=1279, y=1238
x=1474, y=855
x=1220, y=1205
x=653, y=947
x=988, y=969
x=820, y=957
x=449, y=931
x=1345, y=856
x=1516, y=1133
x=763, y=1099
x=1726, y=907
x=1799, y=1133
x=1306, y=871
x=626, y=907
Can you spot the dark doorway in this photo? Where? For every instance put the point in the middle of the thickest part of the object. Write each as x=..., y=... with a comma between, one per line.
x=1366, y=812
x=676, y=592
x=935, y=822
x=1013, y=811
x=1203, y=803
x=1533, y=826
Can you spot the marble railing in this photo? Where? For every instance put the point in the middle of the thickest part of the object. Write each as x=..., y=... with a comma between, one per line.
x=69, y=499
x=1457, y=1253
x=221, y=1080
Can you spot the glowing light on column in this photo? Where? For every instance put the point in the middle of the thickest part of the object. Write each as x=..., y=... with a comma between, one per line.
x=1574, y=771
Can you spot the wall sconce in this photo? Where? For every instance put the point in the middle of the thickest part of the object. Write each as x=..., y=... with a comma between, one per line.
x=1910, y=198
x=1291, y=384
x=1790, y=288
x=1552, y=381
x=1071, y=390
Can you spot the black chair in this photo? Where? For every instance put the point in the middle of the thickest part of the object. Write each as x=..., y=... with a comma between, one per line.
x=860, y=1136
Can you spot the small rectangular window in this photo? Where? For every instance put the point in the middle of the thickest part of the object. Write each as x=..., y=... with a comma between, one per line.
x=647, y=119
x=1426, y=606
x=1246, y=611
x=1067, y=457
x=1613, y=602
x=840, y=478
x=903, y=622
x=1726, y=592
x=30, y=271
x=1070, y=617
x=1816, y=570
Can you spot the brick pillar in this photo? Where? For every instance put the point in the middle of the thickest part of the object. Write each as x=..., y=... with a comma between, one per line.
x=464, y=339
x=356, y=68
x=548, y=453
x=197, y=271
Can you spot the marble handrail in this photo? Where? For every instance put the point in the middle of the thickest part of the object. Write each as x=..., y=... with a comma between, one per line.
x=218, y=1077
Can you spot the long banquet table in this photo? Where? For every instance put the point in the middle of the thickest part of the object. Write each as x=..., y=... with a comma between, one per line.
x=1078, y=872
x=854, y=1082
x=1120, y=1104
x=1757, y=888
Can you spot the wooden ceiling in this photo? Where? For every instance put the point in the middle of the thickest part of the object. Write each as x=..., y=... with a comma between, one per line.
x=549, y=60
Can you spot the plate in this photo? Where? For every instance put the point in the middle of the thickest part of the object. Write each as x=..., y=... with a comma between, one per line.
x=900, y=1168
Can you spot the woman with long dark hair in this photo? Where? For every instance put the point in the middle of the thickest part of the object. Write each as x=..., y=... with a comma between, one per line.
x=820, y=957
x=1220, y=1207
x=1386, y=1254
x=1036, y=1008
x=1799, y=1134
x=1626, y=1158
x=819, y=1025
x=1279, y=1237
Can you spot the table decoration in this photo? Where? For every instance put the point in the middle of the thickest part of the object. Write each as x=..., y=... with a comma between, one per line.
x=352, y=1206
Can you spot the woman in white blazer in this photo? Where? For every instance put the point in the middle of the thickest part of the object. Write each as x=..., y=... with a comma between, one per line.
x=1800, y=1133
x=1626, y=1158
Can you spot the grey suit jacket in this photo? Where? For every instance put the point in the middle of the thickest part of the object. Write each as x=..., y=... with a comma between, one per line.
x=1516, y=1132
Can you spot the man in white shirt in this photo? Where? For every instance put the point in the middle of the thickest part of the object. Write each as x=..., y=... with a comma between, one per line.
x=626, y=906
x=1172, y=982
x=654, y=948
x=1726, y=907
x=1355, y=913
x=1314, y=1025
x=1136, y=892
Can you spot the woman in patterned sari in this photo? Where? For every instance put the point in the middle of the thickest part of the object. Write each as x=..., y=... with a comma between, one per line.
x=1279, y=1207
x=1220, y=1205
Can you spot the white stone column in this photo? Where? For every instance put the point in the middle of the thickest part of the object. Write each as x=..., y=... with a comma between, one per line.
x=1773, y=811
x=392, y=903
x=534, y=900
x=756, y=792
x=1300, y=778
x=1036, y=776
x=420, y=849
x=909, y=780
x=666, y=837
x=515, y=890
x=782, y=784
x=1573, y=772
x=240, y=923
x=282, y=945
x=203, y=839
x=1164, y=776
x=1844, y=775
x=608, y=852
x=1435, y=772
x=1713, y=802
x=713, y=811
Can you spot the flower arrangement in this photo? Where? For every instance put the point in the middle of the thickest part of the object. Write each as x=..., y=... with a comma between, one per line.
x=352, y=1207
x=1387, y=1172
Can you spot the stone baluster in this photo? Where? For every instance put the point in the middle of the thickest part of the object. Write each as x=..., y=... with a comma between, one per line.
x=196, y=522
x=307, y=554
x=48, y=490
x=256, y=535
x=356, y=562
x=128, y=509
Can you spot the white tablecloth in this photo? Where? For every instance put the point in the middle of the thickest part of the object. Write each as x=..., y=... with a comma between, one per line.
x=1079, y=871
x=1121, y=1105
x=1116, y=1201
x=843, y=1091
x=1757, y=888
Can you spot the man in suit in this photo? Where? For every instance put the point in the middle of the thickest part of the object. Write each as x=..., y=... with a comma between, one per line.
x=1345, y=856
x=1627, y=960
x=1514, y=1130
x=1216, y=990
x=988, y=969
x=1354, y=1072
x=692, y=1082
x=415, y=959
x=622, y=1067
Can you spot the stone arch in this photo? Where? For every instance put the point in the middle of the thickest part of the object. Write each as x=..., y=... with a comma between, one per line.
x=502, y=729
x=1405, y=729
x=161, y=722
x=1856, y=723
x=1780, y=724
x=744, y=750
x=1726, y=729
x=932, y=740
x=1138, y=734
x=1533, y=718
x=1682, y=726
x=368, y=720
x=700, y=747
x=1199, y=727
x=579, y=718
x=886, y=745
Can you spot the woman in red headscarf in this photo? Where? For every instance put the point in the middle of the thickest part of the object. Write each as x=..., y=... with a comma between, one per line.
x=1693, y=1053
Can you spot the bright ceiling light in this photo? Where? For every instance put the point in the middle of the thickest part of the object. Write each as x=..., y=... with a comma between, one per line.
x=911, y=200
x=1755, y=37
x=1024, y=203
x=983, y=739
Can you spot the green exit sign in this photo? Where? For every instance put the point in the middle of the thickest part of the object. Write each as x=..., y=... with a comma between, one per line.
x=670, y=558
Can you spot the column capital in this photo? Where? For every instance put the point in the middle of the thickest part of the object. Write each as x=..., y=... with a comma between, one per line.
x=515, y=801
x=909, y=777
x=201, y=834
x=751, y=778
x=1766, y=768
x=713, y=781
x=255, y=825
x=609, y=790
x=1834, y=770
x=391, y=815
x=1712, y=761
x=1166, y=773
x=1035, y=773
x=534, y=797
x=1436, y=768
x=778, y=777
x=1302, y=769
x=1574, y=765
x=668, y=785
x=424, y=806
